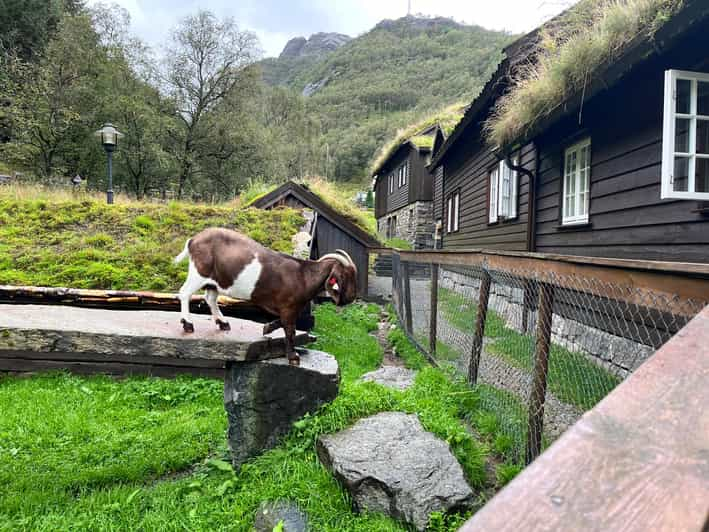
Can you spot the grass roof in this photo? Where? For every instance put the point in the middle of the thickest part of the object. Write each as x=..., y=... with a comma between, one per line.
x=447, y=119
x=571, y=48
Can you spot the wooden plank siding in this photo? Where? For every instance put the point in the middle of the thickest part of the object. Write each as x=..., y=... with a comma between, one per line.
x=418, y=187
x=467, y=168
x=627, y=218
x=329, y=238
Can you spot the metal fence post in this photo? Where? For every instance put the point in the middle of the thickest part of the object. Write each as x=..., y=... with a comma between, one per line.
x=480, y=318
x=407, y=298
x=541, y=368
x=434, y=309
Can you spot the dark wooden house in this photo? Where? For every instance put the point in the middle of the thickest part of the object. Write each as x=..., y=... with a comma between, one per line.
x=330, y=229
x=619, y=169
x=403, y=189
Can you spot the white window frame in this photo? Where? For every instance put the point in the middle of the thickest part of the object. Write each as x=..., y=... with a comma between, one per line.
x=453, y=217
x=405, y=173
x=668, y=135
x=581, y=196
x=391, y=183
x=503, y=179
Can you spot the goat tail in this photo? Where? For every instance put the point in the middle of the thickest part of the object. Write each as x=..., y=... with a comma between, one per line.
x=185, y=252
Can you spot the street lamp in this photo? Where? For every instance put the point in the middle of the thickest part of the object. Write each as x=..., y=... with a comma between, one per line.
x=109, y=136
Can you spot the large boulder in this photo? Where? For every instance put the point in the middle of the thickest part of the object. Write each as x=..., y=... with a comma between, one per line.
x=390, y=464
x=392, y=377
x=263, y=399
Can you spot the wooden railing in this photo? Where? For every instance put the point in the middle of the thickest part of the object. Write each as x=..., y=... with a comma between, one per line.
x=638, y=461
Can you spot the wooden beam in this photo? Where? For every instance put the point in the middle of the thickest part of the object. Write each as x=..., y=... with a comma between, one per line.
x=537, y=395
x=637, y=461
x=407, y=298
x=433, y=334
x=480, y=318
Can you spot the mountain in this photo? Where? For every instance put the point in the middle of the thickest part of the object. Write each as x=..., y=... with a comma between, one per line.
x=298, y=55
x=364, y=89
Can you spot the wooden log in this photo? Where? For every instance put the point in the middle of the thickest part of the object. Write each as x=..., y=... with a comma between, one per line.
x=541, y=370
x=407, y=297
x=433, y=330
x=480, y=318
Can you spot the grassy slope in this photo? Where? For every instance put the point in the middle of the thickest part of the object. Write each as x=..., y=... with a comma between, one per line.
x=83, y=453
x=84, y=243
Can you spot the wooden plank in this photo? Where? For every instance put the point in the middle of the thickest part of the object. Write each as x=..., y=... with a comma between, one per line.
x=433, y=330
x=21, y=366
x=479, y=336
x=635, y=462
x=407, y=298
x=535, y=424
x=652, y=284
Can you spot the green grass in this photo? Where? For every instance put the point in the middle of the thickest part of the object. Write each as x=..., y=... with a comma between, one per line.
x=88, y=453
x=572, y=377
x=83, y=243
x=398, y=243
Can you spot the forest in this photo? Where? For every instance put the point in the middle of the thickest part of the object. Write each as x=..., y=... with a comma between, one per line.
x=204, y=117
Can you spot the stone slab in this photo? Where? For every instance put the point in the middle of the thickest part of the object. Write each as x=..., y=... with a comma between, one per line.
x=394, y=377
x=43, y=328
x=263, y=399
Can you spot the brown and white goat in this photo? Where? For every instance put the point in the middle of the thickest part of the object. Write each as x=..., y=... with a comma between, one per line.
x=226, y=262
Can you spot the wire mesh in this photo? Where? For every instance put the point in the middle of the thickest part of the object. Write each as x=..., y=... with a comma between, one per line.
x=539, y=349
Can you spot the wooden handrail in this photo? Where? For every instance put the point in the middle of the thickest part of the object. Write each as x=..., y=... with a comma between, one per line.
x=675, y=287
x=638, y=461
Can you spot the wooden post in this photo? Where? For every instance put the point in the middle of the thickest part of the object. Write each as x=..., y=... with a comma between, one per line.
x=479, y=328
x=434, y=309
x=526, y=300
x=541, y=368
x=407, y=298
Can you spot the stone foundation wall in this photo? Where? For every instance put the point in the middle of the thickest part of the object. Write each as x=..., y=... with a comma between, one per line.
x=616, y=354
x=414, y=223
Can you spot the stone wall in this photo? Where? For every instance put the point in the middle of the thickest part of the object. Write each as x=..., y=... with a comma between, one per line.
x=616, y=354
x=414, y=223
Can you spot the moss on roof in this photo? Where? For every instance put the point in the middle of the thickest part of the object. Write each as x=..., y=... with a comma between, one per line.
x=446, y=118
x=571, y=48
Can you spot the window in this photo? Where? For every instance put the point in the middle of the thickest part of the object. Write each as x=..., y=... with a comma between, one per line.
x=685, y=138
x=577, y=177
x=403, y=174
x=406, y=172
x=503, y=192
x=391, y=183
x=453, y=212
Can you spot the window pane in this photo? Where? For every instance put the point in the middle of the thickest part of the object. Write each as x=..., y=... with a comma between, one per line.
x=701, y=181
x=572, y=206
x=680, y=181
x=682, y=135
x=684, y=95
x=703, y=136
x=703, y=98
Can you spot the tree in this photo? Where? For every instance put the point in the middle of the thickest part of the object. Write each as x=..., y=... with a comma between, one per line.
x=52, y=100
x=204, y=63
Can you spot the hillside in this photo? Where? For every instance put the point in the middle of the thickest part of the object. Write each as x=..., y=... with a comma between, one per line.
x=397, y=73
x=61, y=240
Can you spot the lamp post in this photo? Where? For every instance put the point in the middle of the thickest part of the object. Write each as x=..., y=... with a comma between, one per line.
x=109, y=136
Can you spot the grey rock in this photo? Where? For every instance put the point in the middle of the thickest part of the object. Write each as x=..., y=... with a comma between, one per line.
x=318, y=45
x=293, y=47
x=269, y=514
x=390, y=464
x=139, y=333
x=392, y=377
x=263, y=399
x=312, y=88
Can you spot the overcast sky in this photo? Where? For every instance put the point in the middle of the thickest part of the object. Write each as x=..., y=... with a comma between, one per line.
x=277, y=21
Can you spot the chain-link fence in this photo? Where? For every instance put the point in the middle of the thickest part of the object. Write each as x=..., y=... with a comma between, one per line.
x=541, y=341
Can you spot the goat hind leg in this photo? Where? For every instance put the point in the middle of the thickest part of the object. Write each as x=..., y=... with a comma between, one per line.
x=192, y=284
x=293, y=358
x=211, y=296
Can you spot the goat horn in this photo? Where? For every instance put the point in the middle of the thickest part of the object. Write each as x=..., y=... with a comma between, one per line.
x=339, y=258
x=343, y=252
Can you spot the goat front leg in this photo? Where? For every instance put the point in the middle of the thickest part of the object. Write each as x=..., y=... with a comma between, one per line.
x=293, y=358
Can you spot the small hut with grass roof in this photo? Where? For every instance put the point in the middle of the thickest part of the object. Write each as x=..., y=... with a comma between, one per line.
x=403, y=185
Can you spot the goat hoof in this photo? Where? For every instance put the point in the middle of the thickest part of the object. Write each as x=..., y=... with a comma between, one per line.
x=187, y=326
x=224, y=325
x=293, y=360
